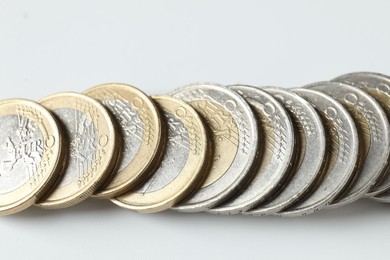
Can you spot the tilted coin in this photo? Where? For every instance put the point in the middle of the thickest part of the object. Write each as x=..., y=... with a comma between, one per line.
x=275, y=158
x=183, y=164
x=235, y=136
x=140, y=125
x=93, y=148
x=30, y=154
x=342, y=153
x=311, y=142
x=373, y=131
x=378, y=86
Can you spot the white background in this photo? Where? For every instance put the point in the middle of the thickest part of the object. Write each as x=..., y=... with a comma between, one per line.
x=53, y=46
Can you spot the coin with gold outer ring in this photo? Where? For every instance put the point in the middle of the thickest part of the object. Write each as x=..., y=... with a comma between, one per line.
x=92, y=148
x=235, y=138
x=183, y=165
x=140, y=124
x=30, y=153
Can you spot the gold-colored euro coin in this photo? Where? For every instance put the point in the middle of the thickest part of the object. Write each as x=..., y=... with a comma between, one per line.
x=30, y=153
x=140, y=124
x=92, y=148
x=183, y=165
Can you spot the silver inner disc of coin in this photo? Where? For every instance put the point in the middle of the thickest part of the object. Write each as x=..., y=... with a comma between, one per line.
x=83, y=143
x=373, y=130
x=131, y=127
x=278, y=143
x=174, y=159
x=342, y=153
x=311, y=140
x=377, y=86
x=21, y=149
x=232, y=122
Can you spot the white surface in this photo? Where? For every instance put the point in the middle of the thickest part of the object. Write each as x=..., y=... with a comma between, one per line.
x=53, y=46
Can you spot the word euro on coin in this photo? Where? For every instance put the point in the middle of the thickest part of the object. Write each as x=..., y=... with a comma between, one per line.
x=30, y=154
x=235, y=139
x=140, y=124
x=183, y=164
x=92, y=146
x=274, y=160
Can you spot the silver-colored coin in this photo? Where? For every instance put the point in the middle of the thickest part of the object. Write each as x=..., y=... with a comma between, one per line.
x=174, y=159
x=21, y=151
x=373, y=129
x=235, y=136
x=342, y=153
x=131, y=123
x=310, y=154
x=378, y=86
x=182, y=166
x=273, y=164
x=71, y=118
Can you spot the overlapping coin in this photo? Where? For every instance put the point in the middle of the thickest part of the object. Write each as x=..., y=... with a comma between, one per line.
x=374, y=137
x=235, y=138
x=31, y=146
x=140, y=125
x=182, y=166
x=342, y=154
x=92, y=144
x=205, y=147
x=311, y=142
x=274, y=159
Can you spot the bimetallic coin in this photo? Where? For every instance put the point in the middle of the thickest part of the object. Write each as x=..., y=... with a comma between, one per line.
x=378, y=86
x=310, y=156
x=235, y=136
x=275, y=158
x=372, y=127
x=93, y=148
x=183, y=164
x=30, y=154
x=342, y=153
x=140, y=125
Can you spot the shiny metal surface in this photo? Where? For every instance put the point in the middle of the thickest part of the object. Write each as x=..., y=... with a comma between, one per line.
x=93, y=147
x=139, y=122
x=310, y=154
x=378, y=86
x=274, y=161
x=235, y=139
x=31, y=154
x=174, y=159
x=373, y=131
x=83, y=143
x=21, y=150
x=342, y=154
x=183, y=164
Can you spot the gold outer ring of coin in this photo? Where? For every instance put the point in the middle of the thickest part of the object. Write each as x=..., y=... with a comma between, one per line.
x=106, y=153
x=191, y=175
x=115, y=96
x=50, y=165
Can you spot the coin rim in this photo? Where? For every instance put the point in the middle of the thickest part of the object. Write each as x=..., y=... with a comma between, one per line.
x=51, y=126
x=135, y=172
x=349, y=197
x=379, y=187
x=244, y=176
x=260, y=210
x=296, y=209
x=184, y=183
x=73, y=198
x=260, y=178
